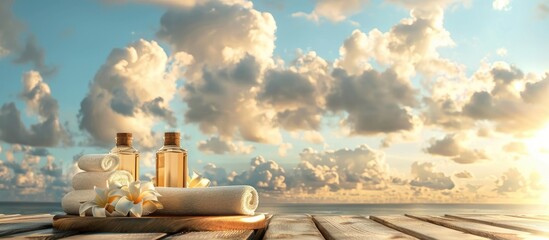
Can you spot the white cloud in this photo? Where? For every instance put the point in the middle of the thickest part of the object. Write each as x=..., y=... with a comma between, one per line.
x=217, y=145
x=359, y=168
x=283, y=149
x=263, y=174
x=452, y=145
x=48, y=131
x=501, y=5
x=130, y=93
x=501, y=52
x=516, y=147
x=424, y=175
x=313, y=137
x=464, y=174
x=333, y=10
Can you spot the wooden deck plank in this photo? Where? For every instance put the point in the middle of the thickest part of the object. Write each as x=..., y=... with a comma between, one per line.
x=111, y=236
x=421, y=229
x=538, y=227
x=537, y=217
x=44, y=234
x=152, y=224
x=14, y=228
x=24, y=218
x=478, y=229
x=355, y=227
x=292, y=227
x=213, y=235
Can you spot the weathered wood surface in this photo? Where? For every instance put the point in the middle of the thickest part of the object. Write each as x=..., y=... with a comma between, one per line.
x=111, y=236
x=355, y=227
x=43, y=234
x=539, y=227
x=292, y=227
x=24, y=223
x=422, y=229
x=537, y=217
x=166, y=224
x=478, y=229
x=213, y=235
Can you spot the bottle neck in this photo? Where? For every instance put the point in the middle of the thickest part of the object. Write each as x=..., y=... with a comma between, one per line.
x=172, y=141
x=123, y=142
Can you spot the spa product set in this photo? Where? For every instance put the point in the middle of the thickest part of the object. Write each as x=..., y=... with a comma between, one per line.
x=110, y=186
x=171, y=160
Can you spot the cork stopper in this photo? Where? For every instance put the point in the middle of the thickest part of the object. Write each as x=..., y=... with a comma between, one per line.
x=123, y=139
x=172, y=138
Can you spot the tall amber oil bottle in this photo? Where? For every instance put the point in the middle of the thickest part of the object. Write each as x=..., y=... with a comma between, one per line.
x=171, y=163
x=129, y=156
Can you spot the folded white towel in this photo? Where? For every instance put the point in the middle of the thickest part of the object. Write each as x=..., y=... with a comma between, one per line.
x=87, y=180
x=98, y=162
x=227, y=200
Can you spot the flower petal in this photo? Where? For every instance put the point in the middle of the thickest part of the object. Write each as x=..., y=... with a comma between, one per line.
x=85, y=206
x=98, y=211
x=123, y=206
x=137, y=210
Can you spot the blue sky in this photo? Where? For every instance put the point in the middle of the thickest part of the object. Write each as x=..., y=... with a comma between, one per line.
x=78, y=38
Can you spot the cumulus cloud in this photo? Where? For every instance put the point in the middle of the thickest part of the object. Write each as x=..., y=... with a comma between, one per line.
x=333, y=10
x=375, y=102
x=464, y=174
x=514, y=101
x=10, y=28
x=26, y=179
x=452, y=145
x=313, y=137
x=424, y=175
x=48, y=131
x=283, y=149
x=408, y=47
x=217, y=145
x=502, y=52
x=359, y=168
x=511, y=181
x=263, y=174
x=34, y=54
x=225, y=35
x=297, y=93
x=501, y=5
x=231, y=47
x=129, y=93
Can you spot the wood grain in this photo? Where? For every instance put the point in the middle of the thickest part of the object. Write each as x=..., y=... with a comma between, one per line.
x=355, y=227
x=214, y=235
x=537, y=217
x=151, y=224
x=292, y=227
x=478, y=229
x=534, y=226
x=111, y=236
x=43, y=234
x=24, y=223
x=26, y=218
x=421, y=229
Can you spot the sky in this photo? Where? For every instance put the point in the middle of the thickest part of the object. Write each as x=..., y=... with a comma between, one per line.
x=357, y=101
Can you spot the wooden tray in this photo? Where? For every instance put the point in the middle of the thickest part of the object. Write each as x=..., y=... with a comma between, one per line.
x=155, y=224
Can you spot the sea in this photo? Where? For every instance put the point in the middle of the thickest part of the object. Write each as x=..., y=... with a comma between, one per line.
x=335, y=209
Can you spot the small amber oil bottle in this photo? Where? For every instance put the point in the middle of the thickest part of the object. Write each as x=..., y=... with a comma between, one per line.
x=171, y=163
x=129, y=156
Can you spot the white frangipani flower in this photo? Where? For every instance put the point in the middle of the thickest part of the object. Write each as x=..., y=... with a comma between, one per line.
x=140, y=199
x=198, y=181
x=104, y=203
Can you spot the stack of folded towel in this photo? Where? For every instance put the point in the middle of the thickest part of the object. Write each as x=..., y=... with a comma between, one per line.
x=98, y=169
x=227, y=200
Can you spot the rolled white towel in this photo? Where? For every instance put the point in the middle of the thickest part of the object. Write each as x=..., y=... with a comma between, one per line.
x=226, y=200
x=98, y=162
x=87, y=180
